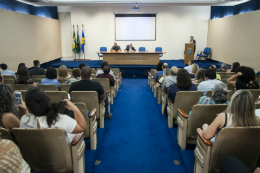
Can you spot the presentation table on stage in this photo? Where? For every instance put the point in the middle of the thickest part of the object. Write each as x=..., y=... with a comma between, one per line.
x=133, y=58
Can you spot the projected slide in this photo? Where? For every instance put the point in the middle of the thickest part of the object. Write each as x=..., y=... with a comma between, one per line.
x=135, y=28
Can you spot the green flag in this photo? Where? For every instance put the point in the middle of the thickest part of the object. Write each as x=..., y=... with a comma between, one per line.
x=78, y=43
x=74, y=42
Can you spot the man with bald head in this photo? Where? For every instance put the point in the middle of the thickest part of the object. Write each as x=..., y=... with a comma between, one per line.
x=115, y=48
x=164, y=66
x=170, y=79
x=85, y=84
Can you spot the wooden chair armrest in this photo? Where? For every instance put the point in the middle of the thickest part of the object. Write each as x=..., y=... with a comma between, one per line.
x=108, y=90
x=92, y=113
x=101, y=101
x=170, y=100
x=77, y=138
x=205, y=141
x=183, y=113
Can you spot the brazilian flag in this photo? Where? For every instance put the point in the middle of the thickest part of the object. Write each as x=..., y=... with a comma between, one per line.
x=77, y=43
x=74, y=42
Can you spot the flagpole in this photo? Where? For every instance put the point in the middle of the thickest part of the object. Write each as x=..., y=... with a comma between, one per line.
x=75, y=45
x=85, y=38
x=77, y=37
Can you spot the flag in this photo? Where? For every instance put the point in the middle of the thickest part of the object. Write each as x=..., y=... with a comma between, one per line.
x=83, y=41
x=74, y=41
x=77, y=43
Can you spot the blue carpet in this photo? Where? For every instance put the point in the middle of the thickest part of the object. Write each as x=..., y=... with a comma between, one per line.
x=137, y=138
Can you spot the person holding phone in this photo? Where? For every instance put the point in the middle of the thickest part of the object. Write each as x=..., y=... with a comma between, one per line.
x=9, y=108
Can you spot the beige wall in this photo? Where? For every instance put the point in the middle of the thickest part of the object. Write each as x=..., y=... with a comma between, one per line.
x=236, y=38
x=24, y=38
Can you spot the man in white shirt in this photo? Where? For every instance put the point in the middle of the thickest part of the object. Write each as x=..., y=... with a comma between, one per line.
x=130, y=48
x=210, y=81
x=188, y=68
x=103, y=64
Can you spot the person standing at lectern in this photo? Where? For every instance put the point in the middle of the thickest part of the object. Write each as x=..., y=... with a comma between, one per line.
x=130, y=48
x=193, y=41
x=115, y=48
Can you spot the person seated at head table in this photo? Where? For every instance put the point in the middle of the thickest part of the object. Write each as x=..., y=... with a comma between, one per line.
x=245, y=79
x=241, y=113
x=130, y=48
x=115, y=48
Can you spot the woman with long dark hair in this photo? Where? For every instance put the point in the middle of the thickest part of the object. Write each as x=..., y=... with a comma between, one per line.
x=24, y=77
x=20, y=65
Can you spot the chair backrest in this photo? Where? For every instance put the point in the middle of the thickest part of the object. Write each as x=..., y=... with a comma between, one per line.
x=93, y=75
x=48, y=87
x=255, y=93
x=116, y=71
x=153, y=72
x=65, y=87
x=222, y=74
x=23, y=86
x=103, y=49
x=38, y=77
x=230, y=94
x=44, y=149
x=83, y=109
x=240, y=142
x=104, y=81
x=141, y=49
x=185, y=100
x=62, y=81
x=202, y=114
x=90, y=98
x=159, y=77
x=208, y=50
x=4, y=134
x=57, y=96
x=9, y=81
x=37, y=80
x=158, y=49
x=8, y=77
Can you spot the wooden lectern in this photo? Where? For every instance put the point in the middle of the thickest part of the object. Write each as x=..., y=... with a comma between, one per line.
x=189, y=52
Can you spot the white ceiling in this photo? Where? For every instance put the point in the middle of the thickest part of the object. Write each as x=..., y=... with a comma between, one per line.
x=131, y=2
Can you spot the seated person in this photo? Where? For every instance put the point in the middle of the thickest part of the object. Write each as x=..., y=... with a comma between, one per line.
x=159, y=67
x=8, y=109
x=24, y=77
x=76, y=76
x=188, y=68
x=115, y=48
x=103, y=64
x=183, y=84
x=85, y=84
x=169, y=80
x=194, y=69
x=219, y=96
x=43, y=114
x=199, y=77
x=6, y=71
x=241, y=114
x=11, y=159
x=51, y=77
x=36, y=69
x=234, y=67
x=20, y=65
x=166, y=72
x=223, y=68
x=213, y=67
x=245, y=79
x=130, y=48
x=210, y=82
x=106, y=74
x=82, y=65
x=164, y=66
x=63, y=72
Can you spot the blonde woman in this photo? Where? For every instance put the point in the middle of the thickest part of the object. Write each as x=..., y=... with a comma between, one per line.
x=199, y=77
x=241, y=113
x=166, y=72
x=63, y=72
x=194, y=70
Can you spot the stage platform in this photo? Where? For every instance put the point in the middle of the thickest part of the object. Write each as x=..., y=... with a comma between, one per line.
x=130, y=71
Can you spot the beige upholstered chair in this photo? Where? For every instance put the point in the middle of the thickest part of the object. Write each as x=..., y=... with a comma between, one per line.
x=230, y=93
x=47, y=150
x=240, y=142
x=164, y=100
x=38, y=77
x=109, y=90
x=159, y=92
x=150, y=74
x=151, y=78
x=117, y=72
x=224, y=80
x=222, y=74
x=255, y=93
x=93, y=75
x=37, y=80
x=9, y=81
x=184, y=100
x=48, y=87
x=4, y=134
x=65, y=87
x=8, y=77
x=23, y=86
x=230, y=87
x=91, y=131
x=156, y=89
x=62, y=81
x=90, y=98
x=200, y=115
x=57, y=96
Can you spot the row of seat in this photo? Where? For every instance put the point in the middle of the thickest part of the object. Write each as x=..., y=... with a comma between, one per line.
x=207, y=157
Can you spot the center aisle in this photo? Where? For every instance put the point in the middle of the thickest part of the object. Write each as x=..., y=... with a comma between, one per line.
x=137, y=138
